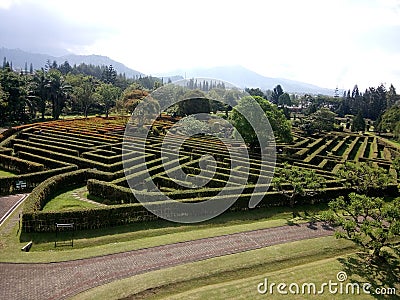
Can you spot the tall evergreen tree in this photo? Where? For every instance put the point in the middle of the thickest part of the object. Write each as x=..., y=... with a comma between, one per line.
x=358, y=122
x=276, y=93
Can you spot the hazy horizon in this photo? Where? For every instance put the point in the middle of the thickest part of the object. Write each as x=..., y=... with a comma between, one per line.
x=325, y=43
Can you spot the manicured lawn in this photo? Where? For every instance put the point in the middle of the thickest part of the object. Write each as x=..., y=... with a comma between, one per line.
x=6, y=173
x=91, y=243
x=213, y=278
x=67, y=201
x=317, y=272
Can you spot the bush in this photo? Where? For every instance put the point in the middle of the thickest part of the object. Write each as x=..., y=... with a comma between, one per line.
x=19, y=166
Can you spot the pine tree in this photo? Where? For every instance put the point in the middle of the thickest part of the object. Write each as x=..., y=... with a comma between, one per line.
x=358, y=123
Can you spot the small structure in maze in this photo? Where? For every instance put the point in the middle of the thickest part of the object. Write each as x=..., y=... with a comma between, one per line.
x=64, y=235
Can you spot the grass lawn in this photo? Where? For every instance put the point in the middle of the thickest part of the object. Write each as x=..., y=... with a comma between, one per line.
x=67, y=201
x=317, y=272
x=91, y=243
x=233, y=276
x=4, y=173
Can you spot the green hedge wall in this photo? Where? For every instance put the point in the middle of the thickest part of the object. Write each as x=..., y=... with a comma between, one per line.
x=11, y=185
x=34, y=220
x=18, y=165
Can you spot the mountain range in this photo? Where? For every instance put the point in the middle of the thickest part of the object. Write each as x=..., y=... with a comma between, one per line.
x=19, y=58
x=245, y=78
x=237, y=75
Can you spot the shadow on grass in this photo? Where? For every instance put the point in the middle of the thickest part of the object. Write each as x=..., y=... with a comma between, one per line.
x=159, y=227
x=380, y=273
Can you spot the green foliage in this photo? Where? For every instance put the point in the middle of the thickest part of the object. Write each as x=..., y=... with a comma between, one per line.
x=284, y=100
x=363, y=176
x=372, y=103
x=131, y=97
x=108, y=96
x=109, y=75
x=276, y=93
x=301, y=182
x=280, y=126
x=83, y=88
x=13, y=97
x=19, y=166
x=390, y=119
x=369, y=222
x=358, y=123
x=58, y=91
x=190, y=125
x=255, y=92
x=321, y=120
x=194, y=102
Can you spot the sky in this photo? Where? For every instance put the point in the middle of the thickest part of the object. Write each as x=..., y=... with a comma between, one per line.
x=330, y=43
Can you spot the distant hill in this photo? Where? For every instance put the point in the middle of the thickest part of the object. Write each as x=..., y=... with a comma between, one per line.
x=237, y=75
x=243, y=78
x=19, y=58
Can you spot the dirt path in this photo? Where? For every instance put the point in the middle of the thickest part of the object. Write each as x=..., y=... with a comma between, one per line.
x=65, y=279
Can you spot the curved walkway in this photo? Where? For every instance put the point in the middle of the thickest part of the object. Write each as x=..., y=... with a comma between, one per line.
x=65, y=279
x=8, y=204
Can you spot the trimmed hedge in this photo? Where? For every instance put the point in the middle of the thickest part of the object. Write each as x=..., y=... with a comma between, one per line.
x=35, y=220
x=10, y=185
x=18, y=165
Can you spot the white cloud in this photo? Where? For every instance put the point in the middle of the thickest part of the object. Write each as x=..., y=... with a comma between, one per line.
x=323, y=42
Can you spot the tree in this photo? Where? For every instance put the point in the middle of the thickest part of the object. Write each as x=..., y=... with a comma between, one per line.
x=231, y=97
x=194, y=102
x=322, y=120
x=84, y=88
x=358, y=123
x=3, y=103
x=280, y=126
x=369, y=222
x=108, y=96
x=284, y=100
x=146, y=111
x=293, y=181
x=255, y=92
x=276, y=93
x=109, y=75
x=39, y=91
x=15, y=88
x=131, y=97
x=389, y=119
x=363, y=176
x=65, y=68
x=190, y=126
x=391, y=97
x=59, y=91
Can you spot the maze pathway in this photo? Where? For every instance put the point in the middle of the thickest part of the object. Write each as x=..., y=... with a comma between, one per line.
x=65, y=279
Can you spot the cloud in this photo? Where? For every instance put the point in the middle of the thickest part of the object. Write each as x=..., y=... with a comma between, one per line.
x=33, y=27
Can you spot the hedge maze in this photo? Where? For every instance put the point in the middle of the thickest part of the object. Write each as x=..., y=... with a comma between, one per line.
x=51, y=156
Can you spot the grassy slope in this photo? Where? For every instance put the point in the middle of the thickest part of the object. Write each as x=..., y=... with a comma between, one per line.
x=140, y=235
x=317, y=272
x=185, y=280
x=66, y=201
x=6, y=173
